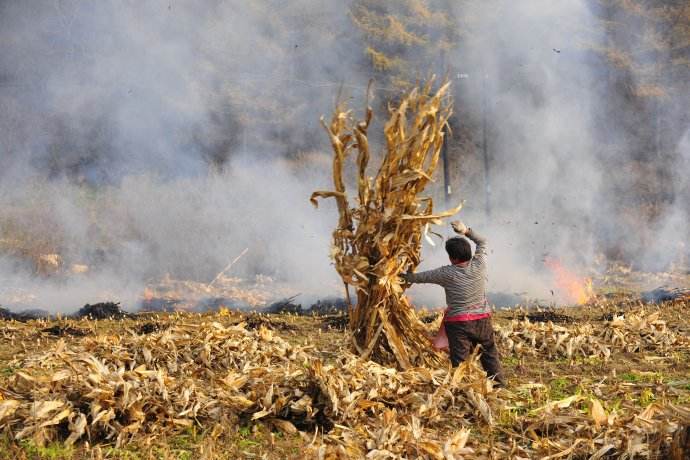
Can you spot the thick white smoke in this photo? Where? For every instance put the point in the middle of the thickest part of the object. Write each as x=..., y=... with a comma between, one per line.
x=559, y=178
x=147, y=138
x=158, y=137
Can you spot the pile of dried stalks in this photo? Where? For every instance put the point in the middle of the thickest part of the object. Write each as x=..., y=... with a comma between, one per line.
x=380, y=236
x=580, y=426
x=112, y=389
x=143, y=388
x=632, y=332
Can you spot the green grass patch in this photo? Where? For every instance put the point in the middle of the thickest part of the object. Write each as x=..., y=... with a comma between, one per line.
x=630, y=377
x=187, y=440
x=8, y=371
x=558, y=388
x=511, y=361
x=246, y=443
x=122, y=454
x=508, y=416
x=53, y=451
x=594, y=361
x=183, y=454
x=647, y=397
x=643, y=377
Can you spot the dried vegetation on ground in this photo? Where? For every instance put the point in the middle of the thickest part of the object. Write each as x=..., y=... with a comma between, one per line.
x=613, y=383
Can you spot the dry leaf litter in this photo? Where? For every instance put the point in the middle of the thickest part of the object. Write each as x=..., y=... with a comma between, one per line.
x=131, y=387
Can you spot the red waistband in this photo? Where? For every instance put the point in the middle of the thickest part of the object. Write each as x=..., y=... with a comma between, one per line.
x=465, y=317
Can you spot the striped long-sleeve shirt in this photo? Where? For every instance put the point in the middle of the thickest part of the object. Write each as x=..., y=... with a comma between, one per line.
x=465, y=284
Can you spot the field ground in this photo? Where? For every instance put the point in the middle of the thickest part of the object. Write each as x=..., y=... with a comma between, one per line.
x=644, y=370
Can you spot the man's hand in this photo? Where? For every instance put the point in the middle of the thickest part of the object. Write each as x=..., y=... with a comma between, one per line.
x=459, y=227
x=405, y=276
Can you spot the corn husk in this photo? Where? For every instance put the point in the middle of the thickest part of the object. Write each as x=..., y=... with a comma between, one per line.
x=140, y=387
x=214, y=372
x=380, y=236
x=636, y=331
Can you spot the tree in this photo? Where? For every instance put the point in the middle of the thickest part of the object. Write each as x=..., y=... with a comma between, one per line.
x=405, y=41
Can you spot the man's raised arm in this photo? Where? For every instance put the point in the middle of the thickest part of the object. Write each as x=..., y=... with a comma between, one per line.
x=479, y=240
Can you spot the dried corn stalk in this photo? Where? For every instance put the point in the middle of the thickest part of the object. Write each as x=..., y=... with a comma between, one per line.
x=381, y=236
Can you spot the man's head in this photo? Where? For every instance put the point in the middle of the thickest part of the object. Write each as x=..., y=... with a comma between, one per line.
x=458, y=249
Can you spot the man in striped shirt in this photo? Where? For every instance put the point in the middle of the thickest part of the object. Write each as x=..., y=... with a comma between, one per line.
x=468, y=317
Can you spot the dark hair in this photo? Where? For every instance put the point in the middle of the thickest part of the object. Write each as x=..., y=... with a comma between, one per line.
x=459, y=248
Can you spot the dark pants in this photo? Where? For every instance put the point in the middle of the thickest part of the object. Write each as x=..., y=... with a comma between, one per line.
x=464, y=336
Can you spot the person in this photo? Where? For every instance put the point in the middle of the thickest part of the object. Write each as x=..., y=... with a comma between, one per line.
x=467, y=319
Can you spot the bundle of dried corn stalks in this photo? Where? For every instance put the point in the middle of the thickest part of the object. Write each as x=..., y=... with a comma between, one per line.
x=381, y=236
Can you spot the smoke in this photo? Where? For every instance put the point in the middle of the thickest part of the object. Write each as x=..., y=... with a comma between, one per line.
x=144, y=227
x=148, y=138
x=144, y=138
x=564, y=144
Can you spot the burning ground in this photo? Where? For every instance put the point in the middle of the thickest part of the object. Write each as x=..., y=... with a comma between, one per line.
x=608, y=379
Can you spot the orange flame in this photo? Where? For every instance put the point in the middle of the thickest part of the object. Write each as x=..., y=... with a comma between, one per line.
x=573, y=288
